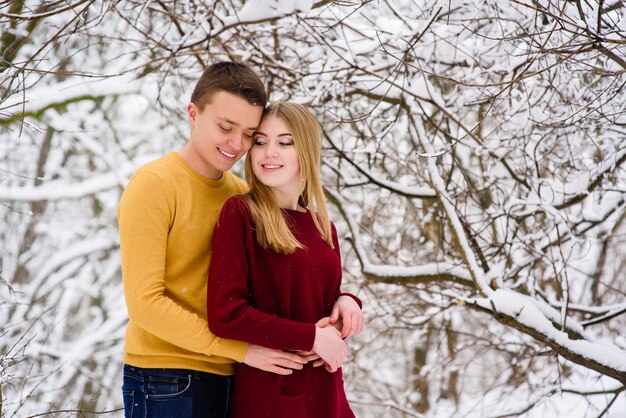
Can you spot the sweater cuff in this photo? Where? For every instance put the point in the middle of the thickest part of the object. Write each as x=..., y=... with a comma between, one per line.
x=311, y=338
x=299, y=338
x=231, y=349
x=356, y=299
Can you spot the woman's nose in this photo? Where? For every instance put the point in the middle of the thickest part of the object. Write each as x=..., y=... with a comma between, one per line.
x=271, y=152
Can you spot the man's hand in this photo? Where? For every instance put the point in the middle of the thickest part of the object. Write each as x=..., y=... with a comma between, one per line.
x=274, y=361
x=309, y=356
x=347, y=310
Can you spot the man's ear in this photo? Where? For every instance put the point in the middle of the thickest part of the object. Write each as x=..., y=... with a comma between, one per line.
x=192, y=112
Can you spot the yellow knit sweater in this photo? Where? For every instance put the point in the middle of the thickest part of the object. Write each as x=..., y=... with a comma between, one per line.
x=166, y=218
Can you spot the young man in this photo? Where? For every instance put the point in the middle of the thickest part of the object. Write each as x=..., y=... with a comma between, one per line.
x=174, y=365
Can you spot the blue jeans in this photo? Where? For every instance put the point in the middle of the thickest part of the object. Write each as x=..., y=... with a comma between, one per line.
x=175, y=393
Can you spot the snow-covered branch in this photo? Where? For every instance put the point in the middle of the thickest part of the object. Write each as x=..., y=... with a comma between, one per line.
x=521, y=313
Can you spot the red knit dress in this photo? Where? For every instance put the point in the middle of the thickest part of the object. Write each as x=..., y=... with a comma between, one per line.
x=274, y=300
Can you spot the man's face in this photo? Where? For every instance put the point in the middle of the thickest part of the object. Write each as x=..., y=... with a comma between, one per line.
x=221, y=133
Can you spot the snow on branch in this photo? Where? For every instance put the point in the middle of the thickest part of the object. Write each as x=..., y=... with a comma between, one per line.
x=267, y=9
x=429, y=272
x=255, y=13
x=37, y=100
x=478, y=276
x=79, y=250
x=423, y=192
x=62, y=189
x=36, y=16
x=524, y=314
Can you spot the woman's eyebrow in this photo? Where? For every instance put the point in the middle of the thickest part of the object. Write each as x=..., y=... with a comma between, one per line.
x=279, y=135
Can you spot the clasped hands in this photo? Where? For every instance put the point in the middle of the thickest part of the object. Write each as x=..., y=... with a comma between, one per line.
x=329, y=348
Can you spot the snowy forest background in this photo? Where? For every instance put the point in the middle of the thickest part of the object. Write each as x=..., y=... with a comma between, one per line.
x=474, y=160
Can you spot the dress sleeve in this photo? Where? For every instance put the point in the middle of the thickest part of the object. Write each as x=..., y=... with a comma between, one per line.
x=229, y=311
x=145, y=213
x=338, y=291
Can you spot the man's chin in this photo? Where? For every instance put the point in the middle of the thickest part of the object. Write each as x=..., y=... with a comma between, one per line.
x=226, y=165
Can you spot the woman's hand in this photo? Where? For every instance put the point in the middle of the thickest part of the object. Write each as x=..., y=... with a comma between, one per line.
x=310, y=356
x=330, y=347
x=348, y=311
x=325, y=321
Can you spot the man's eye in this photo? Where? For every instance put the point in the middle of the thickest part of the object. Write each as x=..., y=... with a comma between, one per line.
x=224, y=128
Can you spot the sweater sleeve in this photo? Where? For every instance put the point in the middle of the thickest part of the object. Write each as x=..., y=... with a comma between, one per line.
x=338, y=291
x=144, y=216
x=228, y=307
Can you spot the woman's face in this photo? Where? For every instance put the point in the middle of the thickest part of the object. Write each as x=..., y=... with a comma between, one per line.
x=274, y=159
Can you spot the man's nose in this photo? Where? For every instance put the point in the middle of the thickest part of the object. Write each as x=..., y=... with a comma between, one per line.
x=236, y=142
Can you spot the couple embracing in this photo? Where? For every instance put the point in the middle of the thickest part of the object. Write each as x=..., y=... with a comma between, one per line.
x=233, y=288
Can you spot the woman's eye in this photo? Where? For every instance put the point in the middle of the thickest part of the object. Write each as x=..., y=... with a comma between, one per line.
x=286, y=143
x=258, y=141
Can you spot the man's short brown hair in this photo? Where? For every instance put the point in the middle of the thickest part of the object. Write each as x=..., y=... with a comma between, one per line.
x=232, y=77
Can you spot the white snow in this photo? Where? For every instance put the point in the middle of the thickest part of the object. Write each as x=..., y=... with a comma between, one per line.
x=534, y=315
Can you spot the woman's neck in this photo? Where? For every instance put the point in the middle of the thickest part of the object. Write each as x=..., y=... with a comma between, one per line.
x=286, y=200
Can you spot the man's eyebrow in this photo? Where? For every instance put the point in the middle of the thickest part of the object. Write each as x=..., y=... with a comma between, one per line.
x=232, y=122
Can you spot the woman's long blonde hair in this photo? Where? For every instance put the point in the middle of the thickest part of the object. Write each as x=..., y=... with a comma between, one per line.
x=272, y=231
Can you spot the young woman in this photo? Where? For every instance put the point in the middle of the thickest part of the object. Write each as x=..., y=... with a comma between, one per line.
x=276, y=271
